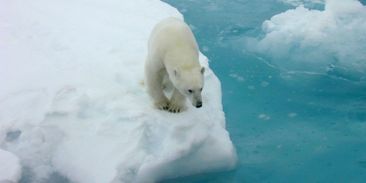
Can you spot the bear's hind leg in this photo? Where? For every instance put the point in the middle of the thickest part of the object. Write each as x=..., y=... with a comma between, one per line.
x=154, y=82
x=176, y=102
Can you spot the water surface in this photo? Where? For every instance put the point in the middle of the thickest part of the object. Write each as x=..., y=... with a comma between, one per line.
x=296, y=127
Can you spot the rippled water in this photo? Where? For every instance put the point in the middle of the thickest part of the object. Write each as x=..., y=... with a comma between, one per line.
x=287, y=126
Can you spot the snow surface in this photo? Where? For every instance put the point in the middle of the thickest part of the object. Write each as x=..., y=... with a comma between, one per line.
x=320, y=41
x=10, y=168
x=72, y=100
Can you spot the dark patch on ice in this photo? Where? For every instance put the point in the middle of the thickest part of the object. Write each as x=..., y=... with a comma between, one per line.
x=56, y=178
x=12, y=135
x=27, y=175
x=362, y=163
x=357, y=113
x=345, y=73
x=56, y=114
x=237, y=30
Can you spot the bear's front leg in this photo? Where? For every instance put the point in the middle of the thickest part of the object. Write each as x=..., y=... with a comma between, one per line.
x=162, y=104
x=176, y=102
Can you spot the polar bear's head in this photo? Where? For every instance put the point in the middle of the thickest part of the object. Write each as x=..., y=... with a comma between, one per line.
x=189, y=82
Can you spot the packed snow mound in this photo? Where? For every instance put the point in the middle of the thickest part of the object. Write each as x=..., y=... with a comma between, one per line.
x=10, y=168
x=73, y=102
x=330, y=40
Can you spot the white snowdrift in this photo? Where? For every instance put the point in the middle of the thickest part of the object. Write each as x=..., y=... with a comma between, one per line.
x=10, y=168
x=302, y=39
x=71, y=93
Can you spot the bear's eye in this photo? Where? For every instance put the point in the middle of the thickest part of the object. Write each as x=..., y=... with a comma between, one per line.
x=190, y=91
x=201, y=89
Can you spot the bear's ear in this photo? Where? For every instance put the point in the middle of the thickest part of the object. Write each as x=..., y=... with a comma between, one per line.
x=202, y=70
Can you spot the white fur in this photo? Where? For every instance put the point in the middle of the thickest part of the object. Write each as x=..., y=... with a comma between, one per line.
x=173, y=52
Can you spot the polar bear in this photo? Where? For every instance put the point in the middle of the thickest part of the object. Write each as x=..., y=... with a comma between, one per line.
x=173, y=54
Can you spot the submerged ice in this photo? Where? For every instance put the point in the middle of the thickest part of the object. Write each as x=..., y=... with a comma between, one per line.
x=73, y=104
x=320, y=41
x=302, y=2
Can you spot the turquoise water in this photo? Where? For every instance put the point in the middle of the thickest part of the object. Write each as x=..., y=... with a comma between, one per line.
x=296, y=127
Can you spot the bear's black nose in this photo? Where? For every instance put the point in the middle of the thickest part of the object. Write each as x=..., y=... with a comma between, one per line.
x=199, y=104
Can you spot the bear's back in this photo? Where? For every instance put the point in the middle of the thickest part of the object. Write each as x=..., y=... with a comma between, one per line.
x=172, y=33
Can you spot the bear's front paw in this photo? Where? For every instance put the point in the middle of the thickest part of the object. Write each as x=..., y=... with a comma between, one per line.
x=175, y=108
x=162, y=105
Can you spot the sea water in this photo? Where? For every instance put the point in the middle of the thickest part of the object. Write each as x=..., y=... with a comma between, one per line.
x=287, y=125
